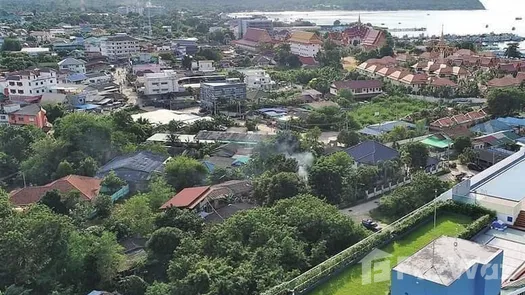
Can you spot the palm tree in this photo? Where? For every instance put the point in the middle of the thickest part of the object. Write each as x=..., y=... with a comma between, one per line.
x=512, y=50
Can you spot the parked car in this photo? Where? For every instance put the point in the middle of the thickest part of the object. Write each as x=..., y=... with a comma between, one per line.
x=474, y=167
x=460, y=176
x=370, y=225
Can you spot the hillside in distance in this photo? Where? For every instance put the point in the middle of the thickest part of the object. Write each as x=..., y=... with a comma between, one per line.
x=249, y=5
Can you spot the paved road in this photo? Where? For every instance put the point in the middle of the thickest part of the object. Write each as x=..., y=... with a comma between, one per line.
x=120, y=78
x=361, y=211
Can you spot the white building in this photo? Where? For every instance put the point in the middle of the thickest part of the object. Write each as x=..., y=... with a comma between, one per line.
x=161, y=83
x=257, y=79
x=120, y=46
x=203, y=66
x=97, y=78
x=241, y=26
x=31, y=83
x=35, y=51
x=72, y=64
x=305, y=44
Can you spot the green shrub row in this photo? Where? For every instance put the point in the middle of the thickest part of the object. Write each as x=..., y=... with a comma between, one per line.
x=356, y=252
x=476, y=227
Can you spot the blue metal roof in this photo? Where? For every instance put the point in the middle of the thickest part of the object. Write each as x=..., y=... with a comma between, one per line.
x=513, y=121
x=87, y=106
x=77, y=77
x=134, y=167
x=491, y=126
x=371, y=152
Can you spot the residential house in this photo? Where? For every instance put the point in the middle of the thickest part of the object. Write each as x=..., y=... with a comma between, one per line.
x=88, y=188
x=31, y=114
x=309, y=96
x=371, y=152
x=214, y=203
x=414, y=81
x=137, y=169
x=257, y=79
x=253, y=40
x=97, y=78
x=442, y=82
x=359, y=88
x=28, y=86
x=73, y=65
x=490, y=127
x=507, y=81
x=306, y=44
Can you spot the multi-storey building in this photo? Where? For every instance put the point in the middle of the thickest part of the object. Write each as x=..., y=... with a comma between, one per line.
x=257, y=79
x=73, y=65
x=243, y=25
x=161, y=83
x=214, y=96
x=305, y=44
x=30, y=85
x=118, y=47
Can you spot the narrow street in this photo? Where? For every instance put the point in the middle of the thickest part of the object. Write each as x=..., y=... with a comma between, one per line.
x=120, y=78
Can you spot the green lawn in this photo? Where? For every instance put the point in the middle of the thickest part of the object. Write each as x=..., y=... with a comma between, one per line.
x=349, y=282
x=387, y=109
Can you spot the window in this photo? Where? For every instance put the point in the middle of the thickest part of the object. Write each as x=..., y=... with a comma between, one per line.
x=30, y=91
x=42, y=83
x=11, y=83
x=20, y=91
x=19, y=84
x=50, y=81
x=31, y=119
x=164, y=83
x=2, y=117
x=38, y=91
x=20, y=119
x=13, y=91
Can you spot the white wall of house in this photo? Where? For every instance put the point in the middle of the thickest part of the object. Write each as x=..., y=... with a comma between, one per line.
x=119, y=49
x=76, y=68
x=203, y=66
x=160, y=83
x=305, y=50
x=32, y=85
x=257, y=79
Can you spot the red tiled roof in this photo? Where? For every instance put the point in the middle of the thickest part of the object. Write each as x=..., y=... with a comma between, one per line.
x=187, y=198
x=507, y=81
x=88, y=187
x=461, y=118
x=398, y=74
x=508, y=68
x=439, y=82
x=415, y=79
x=308, y=60
x=386, y=71
x=257, y=35
x=358, y=84
x=443, y=122
x=476, y=115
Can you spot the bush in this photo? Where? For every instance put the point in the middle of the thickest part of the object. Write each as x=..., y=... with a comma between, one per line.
x=476, y=227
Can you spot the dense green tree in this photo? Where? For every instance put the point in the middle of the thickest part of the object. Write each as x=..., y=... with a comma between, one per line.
x=386, y=50
x=320, y=84
x=112, y=182
x=136, y=214
x=415, y=155
x=103, y=206
x=220, y=174
x=183, y=172
x=269, y=188
x=132, y=285
x=186, y=62
x=158, y=288
x=461, y=143
x=184, y=220
x=163, y=242
x=11, y=44
x=327, y=176
x=64, y=169
x=87, y=167
x=505, y=102
x=54, y=112
x=46, y=155
x=348, y=138
x=53, y=200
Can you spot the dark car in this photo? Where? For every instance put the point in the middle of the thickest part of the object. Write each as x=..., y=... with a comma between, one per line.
x=474, y=167
x=370, y=225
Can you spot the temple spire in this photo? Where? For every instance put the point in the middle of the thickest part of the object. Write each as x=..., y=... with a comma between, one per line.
x=442, y=38
x=359, y=19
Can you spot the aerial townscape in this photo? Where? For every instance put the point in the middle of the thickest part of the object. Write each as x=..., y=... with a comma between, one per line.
x=228, y=147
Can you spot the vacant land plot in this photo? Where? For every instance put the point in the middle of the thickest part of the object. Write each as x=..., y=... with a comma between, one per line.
x=388, y=109
x=350, y=280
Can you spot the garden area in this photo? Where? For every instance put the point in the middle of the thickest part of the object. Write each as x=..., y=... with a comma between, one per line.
x=350, y=280
x=388, y=108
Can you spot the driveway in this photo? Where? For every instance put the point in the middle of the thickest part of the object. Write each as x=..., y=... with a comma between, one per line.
x=361, y=211
x=120, y=78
